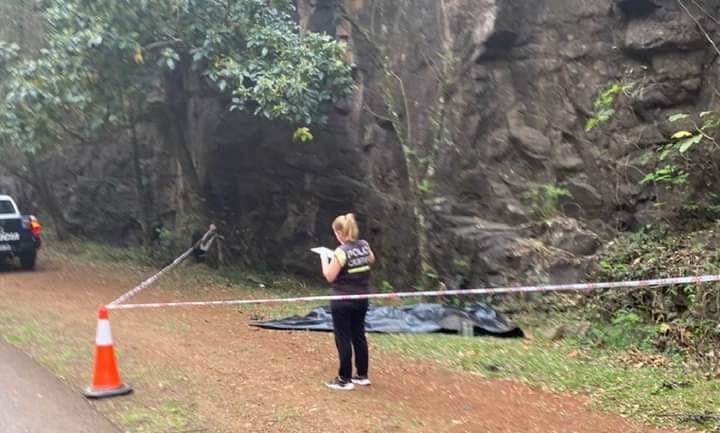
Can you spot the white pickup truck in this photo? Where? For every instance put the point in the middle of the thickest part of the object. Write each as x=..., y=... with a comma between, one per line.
x=19, y=234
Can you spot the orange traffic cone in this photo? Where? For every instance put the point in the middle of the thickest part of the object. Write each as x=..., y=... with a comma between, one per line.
x=105, y=379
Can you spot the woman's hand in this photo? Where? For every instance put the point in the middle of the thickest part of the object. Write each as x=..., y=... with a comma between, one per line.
x=331, y=268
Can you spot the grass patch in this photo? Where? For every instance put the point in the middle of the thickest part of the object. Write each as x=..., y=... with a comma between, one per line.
x=54, y=352
x=174, y=327
x=95, y=252
x=138, y=374
x=643, y=393
x=168, y=416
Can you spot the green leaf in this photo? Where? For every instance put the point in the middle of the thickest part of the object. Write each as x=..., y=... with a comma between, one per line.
x=678, y=116
x=604, y=115
x=302, y=134
x=425, y=186
x=684, y=145
x=665, y=153
x=613, y=89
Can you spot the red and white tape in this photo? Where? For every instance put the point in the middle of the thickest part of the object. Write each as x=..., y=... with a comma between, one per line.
x=484, y=291
x=137, y=289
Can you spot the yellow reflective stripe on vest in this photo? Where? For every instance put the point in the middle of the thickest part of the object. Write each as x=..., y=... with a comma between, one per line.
x=358, y=270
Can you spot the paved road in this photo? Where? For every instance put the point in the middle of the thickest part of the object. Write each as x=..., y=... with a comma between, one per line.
x=34, y=401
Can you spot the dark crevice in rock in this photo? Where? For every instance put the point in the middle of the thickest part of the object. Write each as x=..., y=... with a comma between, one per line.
x=644, y=58
x=637, y=8
x=498, y=46
x=385, y=124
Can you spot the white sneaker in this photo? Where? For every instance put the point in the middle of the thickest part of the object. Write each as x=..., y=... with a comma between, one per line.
x=340, y=384
x=361, y=380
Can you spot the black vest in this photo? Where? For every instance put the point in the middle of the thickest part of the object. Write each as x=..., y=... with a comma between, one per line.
x=354, y=277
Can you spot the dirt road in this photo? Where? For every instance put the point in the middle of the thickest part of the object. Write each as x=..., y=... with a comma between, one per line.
x=205, y=370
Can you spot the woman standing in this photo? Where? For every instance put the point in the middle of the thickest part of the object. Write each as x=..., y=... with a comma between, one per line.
x=348, y=270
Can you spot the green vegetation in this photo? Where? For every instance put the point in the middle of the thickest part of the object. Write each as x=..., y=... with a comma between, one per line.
x=677, y=319
x=96, y=252
x=168, y=416
x=90, y=83
x=246, y=47
x=637, y=385
x=544, y=200
x=35, y=336
x=689, y=153
x=603, y=108
x=687, y=162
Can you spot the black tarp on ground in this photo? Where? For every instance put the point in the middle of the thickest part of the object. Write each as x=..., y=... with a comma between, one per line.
x=420, y=318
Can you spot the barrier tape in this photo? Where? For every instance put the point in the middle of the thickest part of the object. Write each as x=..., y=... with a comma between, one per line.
x=484, y=291
x=207, y=237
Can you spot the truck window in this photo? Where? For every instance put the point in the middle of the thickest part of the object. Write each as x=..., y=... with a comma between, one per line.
x=6, y=207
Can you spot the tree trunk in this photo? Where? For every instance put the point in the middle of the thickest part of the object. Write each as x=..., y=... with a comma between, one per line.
x=144, y=190
x=192, y=213
x=49, y=201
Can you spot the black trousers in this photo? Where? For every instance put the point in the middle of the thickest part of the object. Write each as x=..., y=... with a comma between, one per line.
x=349, y=328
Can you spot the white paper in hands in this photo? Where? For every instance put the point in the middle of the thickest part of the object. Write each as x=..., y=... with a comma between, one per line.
x=325, y=252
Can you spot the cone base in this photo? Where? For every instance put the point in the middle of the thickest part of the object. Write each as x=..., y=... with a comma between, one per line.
x=104, y=393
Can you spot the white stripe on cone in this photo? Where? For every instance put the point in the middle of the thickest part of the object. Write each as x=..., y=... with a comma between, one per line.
x=103, y=336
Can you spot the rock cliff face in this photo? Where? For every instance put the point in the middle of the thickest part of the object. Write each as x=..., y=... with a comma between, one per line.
x=504, y=89
x=492, y=95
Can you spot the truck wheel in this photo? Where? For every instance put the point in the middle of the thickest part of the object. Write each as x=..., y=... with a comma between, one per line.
x=27, y=260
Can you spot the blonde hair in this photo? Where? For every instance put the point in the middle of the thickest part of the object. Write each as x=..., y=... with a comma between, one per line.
x=347, y=227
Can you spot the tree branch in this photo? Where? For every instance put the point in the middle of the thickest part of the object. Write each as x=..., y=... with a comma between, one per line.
x=367, y=108
x=712, y=18
x=163, y=44
x=406, y=108
x=702, y=29
x=82, y=139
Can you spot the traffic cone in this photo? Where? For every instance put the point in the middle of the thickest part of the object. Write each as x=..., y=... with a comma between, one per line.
x=105, y=379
